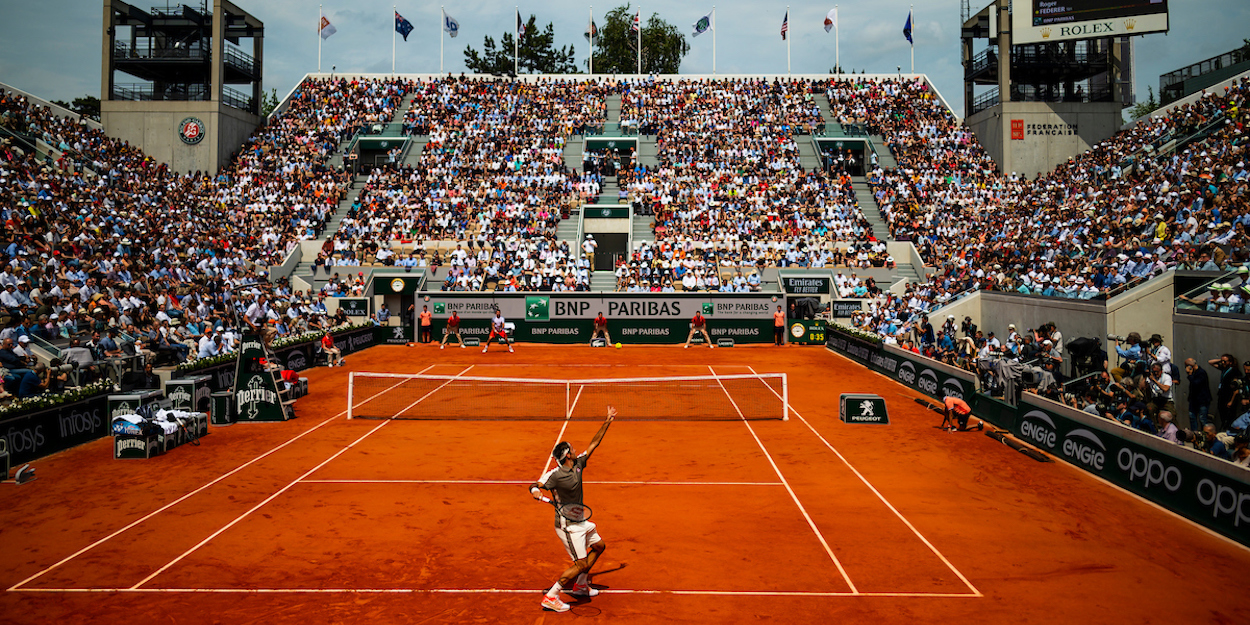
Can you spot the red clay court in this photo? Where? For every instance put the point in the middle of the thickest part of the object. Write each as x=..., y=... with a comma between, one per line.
x=324, y=519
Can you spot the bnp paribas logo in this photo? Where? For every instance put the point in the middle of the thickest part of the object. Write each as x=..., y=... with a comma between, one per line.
x=537, y=308
x=440, y=308
x=708, y=308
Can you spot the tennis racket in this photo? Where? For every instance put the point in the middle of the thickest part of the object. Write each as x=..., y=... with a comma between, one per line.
x=574, y=512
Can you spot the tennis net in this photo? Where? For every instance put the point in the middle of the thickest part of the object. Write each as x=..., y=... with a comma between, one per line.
x=686, y=398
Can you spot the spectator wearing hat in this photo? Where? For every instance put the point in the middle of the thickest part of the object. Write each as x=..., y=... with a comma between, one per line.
x=1159, y=353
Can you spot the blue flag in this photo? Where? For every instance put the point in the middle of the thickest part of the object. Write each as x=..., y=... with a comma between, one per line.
x=402, y=26
x=907, y=29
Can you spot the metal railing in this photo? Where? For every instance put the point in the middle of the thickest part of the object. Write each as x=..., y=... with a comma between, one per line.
x=180, y=92
x=1171, y=84
x=196, y=51
x=985, y=100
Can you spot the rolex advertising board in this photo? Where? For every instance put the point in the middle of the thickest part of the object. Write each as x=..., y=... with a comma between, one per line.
x=642, y=318
x=354, y=306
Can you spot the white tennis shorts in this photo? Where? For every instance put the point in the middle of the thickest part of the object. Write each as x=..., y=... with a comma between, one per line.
x=577, y=538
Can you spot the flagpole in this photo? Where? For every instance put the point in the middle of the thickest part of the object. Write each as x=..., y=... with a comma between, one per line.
x=837, y=33
x=395, y=10
x=788, y=38
x=320, y=15
x=640, y=40
x=516, y=46
x=443, y=13
x=590, y=63
x=713, y=39
x=912, y=14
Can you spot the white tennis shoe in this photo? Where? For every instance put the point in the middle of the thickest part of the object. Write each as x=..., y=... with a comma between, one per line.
x=554, y=604
x=584, y=590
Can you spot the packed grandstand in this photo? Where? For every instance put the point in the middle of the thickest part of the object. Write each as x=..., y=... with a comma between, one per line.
x=109, y=250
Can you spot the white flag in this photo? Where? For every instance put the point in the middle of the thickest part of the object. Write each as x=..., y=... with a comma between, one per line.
x=451, y=25
x=831, y=20
x=702, y=25
x=327, y=28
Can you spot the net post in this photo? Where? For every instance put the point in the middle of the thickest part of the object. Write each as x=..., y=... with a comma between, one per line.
x=568, y=389
x=785, y=397
x=351, y=384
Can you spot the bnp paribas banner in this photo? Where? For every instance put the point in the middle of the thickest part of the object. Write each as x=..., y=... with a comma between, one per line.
x=1201, y=487
x=632, y=318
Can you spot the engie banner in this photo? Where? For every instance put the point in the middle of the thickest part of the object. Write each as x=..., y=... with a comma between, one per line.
x=1195, y=485
x=1198, y=486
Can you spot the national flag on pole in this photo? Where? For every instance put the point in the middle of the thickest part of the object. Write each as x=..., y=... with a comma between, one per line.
x=831, y=20
x=402, y=26
x=327, y=28
x=907, y=29
x=520, y=26
x=592, y=32
x=450, y=25
x=702, y=25
x=637, y=21
x=785, y=26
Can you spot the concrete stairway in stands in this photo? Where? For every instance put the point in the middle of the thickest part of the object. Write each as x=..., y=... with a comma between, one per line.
x=602, y=281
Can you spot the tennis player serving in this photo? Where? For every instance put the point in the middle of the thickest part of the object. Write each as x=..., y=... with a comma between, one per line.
x=573, y=525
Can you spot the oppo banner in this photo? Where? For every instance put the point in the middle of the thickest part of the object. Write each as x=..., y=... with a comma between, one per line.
x=1198, y=486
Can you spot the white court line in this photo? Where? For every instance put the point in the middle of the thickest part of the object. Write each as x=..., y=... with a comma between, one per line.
x=811, y=523
x=876, y=492
x=288, y=486
x=189, y=495
x=515, y=482
x=573, y=404
x=509, y=591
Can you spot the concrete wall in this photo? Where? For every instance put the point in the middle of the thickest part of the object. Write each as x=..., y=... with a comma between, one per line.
x=1145, y=309
x=1203, y=336
x=153, y=127
x=1053, y=132
x=599, y=224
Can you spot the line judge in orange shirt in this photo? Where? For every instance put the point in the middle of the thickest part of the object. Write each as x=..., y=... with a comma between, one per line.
x=779, y=327
x=425, y=321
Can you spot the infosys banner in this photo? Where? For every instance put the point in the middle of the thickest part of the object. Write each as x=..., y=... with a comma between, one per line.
x=922, y=374
x=632, y=318
x=1198, y=486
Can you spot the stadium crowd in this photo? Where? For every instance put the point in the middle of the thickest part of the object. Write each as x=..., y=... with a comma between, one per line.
x=99, y=237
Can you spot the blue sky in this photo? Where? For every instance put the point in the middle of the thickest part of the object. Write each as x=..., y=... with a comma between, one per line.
x=52, y=47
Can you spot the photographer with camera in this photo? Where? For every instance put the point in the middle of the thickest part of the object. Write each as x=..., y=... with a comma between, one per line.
x=1160, y=384
x=1129, y=349
x=58, y=375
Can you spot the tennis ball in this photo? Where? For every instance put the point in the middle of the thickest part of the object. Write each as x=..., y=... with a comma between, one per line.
x=618, y=345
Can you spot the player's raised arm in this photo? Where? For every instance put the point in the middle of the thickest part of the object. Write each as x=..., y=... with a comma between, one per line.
x=594, y=443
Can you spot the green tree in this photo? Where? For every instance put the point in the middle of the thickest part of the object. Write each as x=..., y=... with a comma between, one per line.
x=1142, y=109
x=537, y=53
x=87, y=106
x=616, y=47
x=268, y=102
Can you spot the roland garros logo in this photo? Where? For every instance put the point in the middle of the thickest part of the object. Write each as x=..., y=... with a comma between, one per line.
x=191, y=131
